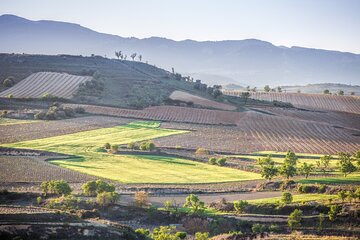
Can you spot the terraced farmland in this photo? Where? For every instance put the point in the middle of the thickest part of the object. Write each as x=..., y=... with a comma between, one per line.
x=317, y=101
x=187, y=97
x=57, y=84
x=169, y=113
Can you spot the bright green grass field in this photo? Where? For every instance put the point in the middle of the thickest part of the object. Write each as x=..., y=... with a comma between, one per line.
x=131, y=168
x=296, y=198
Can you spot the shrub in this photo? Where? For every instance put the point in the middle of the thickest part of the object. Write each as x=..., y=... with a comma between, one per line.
x=170, y=205
x=322, y=188
x=286, y=197
x=181, y=235
x=55, y=186
x=274, y=228
x=102, y=186
x=201, y=151
x=106, y=198
x=142, y=146
x=193, y=202
x=131, y=145
x=107, y=146
x=143, y=231
x=258, y=228
x=141, y=199
x=240, y=206
x=64, y=202
x=294, y=219
x=10, y=96
x=38, y=200
x=8, y=82
x=114, y=148
x=89, y=188
x=221, y=161
x=150, y=146
x=201, y=236
x=212, y=161
x=334, y=210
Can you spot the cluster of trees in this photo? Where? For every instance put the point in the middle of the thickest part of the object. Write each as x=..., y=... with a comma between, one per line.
x=104, y=192
x=214, y=91
x=169, y=233
x=268, y=89
x=339, y=93
x=122, y=56
x=57, y=111
x=110, y=148
x=143, y=146
x=55, y=187
x=217, y=161
x=289, y=166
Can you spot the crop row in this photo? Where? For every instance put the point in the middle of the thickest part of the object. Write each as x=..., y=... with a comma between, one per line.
x=317, y=101
x=57, y=84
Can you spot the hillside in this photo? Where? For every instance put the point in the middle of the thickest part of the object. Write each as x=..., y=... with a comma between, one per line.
x=245, y=62
x=116, y=82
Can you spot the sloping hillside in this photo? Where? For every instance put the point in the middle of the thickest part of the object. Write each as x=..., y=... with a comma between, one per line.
x=37, y=84
x=116, y=82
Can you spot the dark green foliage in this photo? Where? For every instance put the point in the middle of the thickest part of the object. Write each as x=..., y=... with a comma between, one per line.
x=9, y=82
x=294, y=220
x=212, y=161
x=268, y=169
x=287, y=197
x=334, y=211
x=221, y=161
x=288, y=168
x=345, y=164
x=240, y=206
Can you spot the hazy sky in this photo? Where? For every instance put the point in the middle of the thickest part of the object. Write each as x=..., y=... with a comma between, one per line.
x=327, y=24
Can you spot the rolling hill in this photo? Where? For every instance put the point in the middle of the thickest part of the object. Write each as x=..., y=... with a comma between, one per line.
x=246, y=62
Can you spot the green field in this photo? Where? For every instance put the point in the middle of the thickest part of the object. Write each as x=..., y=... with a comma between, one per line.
x=131, y=168
x=297, y=198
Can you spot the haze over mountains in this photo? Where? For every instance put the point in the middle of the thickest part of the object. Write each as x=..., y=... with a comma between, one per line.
x=245, y=62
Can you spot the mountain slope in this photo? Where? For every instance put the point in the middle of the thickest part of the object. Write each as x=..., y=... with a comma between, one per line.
x=246, y=62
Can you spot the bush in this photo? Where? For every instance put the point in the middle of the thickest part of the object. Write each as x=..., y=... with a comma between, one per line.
x=38, y=200
x=150, y=146
x=141, y=199
x=107, y=146
x=114, y=148
x=131, y=145
x=10, y=96
x=181, y=235
x=170, y=205
x=55, y=186
x=258, y=228
x=201, y=236
x=294, y=219
x=64, y=202
x=322, y=188
x=8, y=82
x=102, y=186
x=106, y=198
x=274, y=228
x=89, y=188
x=221, y=161
x=193, y=202
x=287, y=198
x=240, y=206
x=212, y=161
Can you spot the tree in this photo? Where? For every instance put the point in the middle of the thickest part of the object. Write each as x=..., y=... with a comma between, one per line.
x=352, y=93
x=288, y=167
x=324, y=163
x=240, y=206
x=141, y=199
x=140, y=57
x=217, y=93
x=342, y=195
x=212, y=161
x=295, y=218
x=267, y=88
x=245, y=96
x=341, y=93
x=9, y=82
x=133, y=56
x=193, y=202
x=305, y=169
x=286, y=197
x=279, y=89
x=102, y=186
x=333, y=212
x=345, y=164
x=107, y=198
x=268, y=169
x=114, y=148
x=326, y=91
x=164, y=233
x=55, y=186
x=107, y=146
x=117, y=54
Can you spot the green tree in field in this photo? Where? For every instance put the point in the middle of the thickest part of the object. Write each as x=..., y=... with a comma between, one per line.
x=221, y=161
x=267, y=88
x=240, y=206
x=193, y=202
x=288, y=167
x=107, y=146
x=102, y=186
x=341, y=93
x=333, y=212
x=324, y=163
x=342, y=195
x=56, y=186
x=287, y=198
x=345, y=164
x=268, y=169
x=326, y=91
x=294, y=220
x=114, y=148
x=89, y=188
x=305, y=169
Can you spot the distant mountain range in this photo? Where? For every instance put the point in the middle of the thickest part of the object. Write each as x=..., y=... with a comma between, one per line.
x=245, y=62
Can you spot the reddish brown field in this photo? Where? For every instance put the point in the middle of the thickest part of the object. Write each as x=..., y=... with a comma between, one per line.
x=316, y=101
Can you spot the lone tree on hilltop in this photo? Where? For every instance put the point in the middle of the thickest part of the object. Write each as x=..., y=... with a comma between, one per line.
x=133, y=56
x=267, y=88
